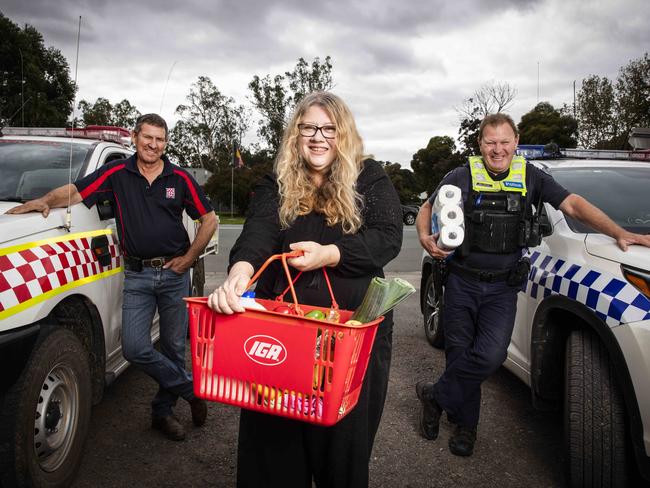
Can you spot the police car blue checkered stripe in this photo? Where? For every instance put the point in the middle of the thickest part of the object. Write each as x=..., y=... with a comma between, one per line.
x=615, y=301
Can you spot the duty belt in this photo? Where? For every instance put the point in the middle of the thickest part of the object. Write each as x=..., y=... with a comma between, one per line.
x=490, y=276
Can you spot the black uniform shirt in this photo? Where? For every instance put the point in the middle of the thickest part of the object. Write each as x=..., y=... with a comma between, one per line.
x=149, y=217
x=538, y=185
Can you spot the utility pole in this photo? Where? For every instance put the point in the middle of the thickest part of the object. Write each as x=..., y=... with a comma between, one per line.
x=574, y=99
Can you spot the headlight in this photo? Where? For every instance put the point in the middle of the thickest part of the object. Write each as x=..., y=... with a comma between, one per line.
x=638, y=278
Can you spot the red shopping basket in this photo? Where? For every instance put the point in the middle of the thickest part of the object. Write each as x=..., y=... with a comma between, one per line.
x=287, y=365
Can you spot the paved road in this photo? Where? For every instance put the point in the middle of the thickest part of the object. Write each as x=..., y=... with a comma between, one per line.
x=517, y=446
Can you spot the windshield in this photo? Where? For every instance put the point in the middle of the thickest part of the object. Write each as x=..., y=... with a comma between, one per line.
x=622, y=193
x=30, y=169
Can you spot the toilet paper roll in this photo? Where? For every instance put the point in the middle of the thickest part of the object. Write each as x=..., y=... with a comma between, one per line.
x=451, y=236
x=447, y=215
x=447, y=195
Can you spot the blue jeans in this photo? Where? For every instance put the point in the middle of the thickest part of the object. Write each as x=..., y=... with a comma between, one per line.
x=145, y=291
x=478, y=322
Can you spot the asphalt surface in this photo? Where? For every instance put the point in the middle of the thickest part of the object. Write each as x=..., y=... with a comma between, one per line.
x=517, y=445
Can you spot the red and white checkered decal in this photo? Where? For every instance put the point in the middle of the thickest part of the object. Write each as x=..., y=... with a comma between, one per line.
x=29, y=273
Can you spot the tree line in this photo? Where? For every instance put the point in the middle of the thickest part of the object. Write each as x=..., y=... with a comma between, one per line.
x=36, y=90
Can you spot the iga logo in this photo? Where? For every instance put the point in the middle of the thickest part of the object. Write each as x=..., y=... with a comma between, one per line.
x=265, y=350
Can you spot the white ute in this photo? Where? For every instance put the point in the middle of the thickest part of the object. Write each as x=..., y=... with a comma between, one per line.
x=60, y=302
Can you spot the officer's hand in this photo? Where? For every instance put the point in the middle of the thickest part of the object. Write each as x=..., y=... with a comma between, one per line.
x=225, y=299
x=37, y=205
x=628, y=238
x=179, y=264
x=314, y=255
x=430, y=244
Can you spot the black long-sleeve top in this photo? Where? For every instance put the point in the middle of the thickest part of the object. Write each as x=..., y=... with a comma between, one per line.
x=363, y=254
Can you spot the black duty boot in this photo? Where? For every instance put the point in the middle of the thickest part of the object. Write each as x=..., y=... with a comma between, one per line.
x=430, y=412
x=461, y=442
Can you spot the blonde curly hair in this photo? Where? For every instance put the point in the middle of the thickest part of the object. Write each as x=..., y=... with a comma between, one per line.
x=336, y=198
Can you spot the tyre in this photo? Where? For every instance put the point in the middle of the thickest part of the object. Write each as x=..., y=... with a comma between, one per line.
x=409, y=219
x=45, y=415
x=432, y=315
x=198, y=279
x=594, y=415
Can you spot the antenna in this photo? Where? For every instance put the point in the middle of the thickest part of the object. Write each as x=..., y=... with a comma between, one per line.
x=169, y=75
x=68, y=212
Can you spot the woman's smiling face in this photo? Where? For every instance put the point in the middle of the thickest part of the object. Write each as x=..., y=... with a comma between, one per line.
x=319, y=151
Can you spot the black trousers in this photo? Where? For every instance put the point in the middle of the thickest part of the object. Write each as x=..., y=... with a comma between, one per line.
x=478, y=322
x=278, y=452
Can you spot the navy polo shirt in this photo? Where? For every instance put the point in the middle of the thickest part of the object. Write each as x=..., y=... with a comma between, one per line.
x=149, y=217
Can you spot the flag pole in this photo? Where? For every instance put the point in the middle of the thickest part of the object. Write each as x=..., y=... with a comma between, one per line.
x=232, y=186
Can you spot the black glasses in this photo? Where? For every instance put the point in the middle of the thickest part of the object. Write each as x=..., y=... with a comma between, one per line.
x=309, y=130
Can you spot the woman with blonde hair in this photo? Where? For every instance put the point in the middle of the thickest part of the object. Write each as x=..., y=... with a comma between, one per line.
x=327, y=199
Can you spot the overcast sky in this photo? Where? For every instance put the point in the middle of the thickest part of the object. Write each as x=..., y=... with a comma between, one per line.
x=402, y=66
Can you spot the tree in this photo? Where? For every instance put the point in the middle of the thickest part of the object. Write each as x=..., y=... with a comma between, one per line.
x=433, y=162
x=102, y=112
x=596, y=111
x=490, y=98
x=545, y=124
x=403, y=180
x=244, y=179
x=633, y=97
x=35, y=84
x=209, y=124
x=275, y=97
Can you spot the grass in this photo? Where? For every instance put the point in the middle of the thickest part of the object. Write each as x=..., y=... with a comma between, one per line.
x=225, y=218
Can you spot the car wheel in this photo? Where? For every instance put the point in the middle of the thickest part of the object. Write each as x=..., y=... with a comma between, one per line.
x=594, y=415
x=198, y=279
x=433, y=314
x=409, y=219
x=45, y=416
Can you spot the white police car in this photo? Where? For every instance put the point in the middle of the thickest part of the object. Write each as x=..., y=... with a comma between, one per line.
x=60, y=302
x=581, y=339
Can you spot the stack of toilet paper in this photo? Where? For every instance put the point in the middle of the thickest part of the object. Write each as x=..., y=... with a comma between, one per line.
x=447, y=217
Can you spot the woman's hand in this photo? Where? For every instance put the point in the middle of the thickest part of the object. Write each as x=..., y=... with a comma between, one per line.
x=225, y=299
x=314, y=255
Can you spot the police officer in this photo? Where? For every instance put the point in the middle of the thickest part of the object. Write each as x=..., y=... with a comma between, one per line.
x=150, y=194
x=488, y=270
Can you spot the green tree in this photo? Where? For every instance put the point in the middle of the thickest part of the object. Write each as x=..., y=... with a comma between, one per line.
x=102, y=112
x=35, y=84
x=633, y=98
x=403, y=180
x=432, y=163
x=489, y=98
x=242, y=184
x=210, y=122
x=275, y=97
x=545, y=124
x=595, y=112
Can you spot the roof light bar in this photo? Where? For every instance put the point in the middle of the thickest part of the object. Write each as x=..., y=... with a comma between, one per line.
x=101, y=132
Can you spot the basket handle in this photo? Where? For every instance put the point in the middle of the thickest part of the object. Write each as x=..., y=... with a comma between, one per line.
x=283, y=257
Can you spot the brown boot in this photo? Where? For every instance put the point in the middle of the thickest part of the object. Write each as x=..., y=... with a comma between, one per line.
x=199, y=411
x=169, y=426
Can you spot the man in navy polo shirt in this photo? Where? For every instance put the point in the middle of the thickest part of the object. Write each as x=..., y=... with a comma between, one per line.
x=149, y=195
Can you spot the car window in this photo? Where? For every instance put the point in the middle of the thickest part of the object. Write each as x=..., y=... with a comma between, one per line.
x=622, y=193
x=114, y=156
x=30, y=169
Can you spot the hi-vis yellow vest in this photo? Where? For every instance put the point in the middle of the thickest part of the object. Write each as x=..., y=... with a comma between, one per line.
x=514, y=182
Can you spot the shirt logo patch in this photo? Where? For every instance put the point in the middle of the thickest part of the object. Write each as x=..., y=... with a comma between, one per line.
x=170, y=192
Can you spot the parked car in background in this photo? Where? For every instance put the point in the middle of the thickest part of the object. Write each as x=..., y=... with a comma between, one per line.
x=409, y=212
x=581, y=338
